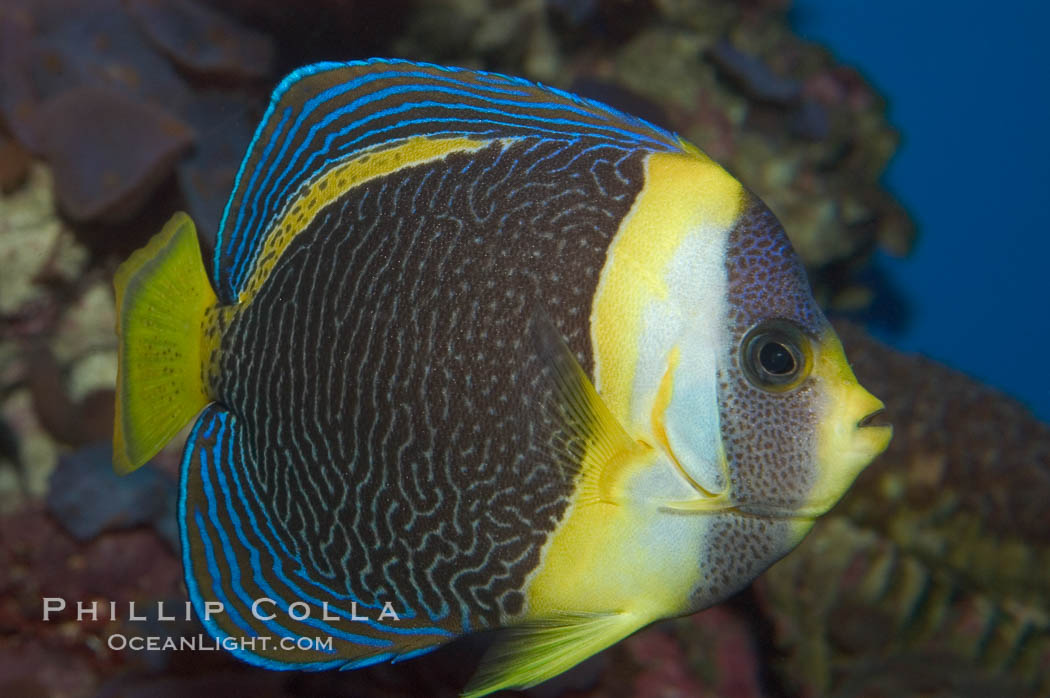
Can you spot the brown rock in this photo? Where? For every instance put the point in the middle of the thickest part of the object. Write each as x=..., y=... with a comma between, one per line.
x=202, y=41
x=14, y=165
x=109, y=152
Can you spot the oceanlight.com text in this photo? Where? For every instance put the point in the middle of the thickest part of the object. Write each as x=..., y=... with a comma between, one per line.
x=205, y=643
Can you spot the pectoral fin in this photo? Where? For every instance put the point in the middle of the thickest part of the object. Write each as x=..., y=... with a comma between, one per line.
x=591, y=439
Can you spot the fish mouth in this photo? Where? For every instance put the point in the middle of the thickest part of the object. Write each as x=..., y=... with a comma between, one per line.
x=873, y=433
x=876, y=419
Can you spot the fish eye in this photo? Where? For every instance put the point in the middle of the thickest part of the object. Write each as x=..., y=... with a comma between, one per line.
x=776, y=356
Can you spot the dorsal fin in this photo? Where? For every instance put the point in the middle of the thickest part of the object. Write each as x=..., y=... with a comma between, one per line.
x=325, y=113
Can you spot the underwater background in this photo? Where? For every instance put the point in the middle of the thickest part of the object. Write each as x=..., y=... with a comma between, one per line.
x=972, y=170
x=920, y=221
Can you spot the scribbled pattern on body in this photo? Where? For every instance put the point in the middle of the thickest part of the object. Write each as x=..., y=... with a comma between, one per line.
x=326, y=112
x=388, y=402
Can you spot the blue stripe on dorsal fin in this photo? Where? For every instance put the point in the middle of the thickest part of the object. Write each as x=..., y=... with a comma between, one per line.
x=233, y=555
x=324, y=113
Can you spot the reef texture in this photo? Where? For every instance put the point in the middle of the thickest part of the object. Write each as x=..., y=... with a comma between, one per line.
x=931, y=578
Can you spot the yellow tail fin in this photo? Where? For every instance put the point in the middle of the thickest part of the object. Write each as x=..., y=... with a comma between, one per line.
x=162, y=294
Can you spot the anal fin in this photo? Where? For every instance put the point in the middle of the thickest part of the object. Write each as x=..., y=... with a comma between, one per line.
x=537, y=650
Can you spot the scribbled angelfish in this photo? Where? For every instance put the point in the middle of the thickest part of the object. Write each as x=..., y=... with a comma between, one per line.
x=491, y=353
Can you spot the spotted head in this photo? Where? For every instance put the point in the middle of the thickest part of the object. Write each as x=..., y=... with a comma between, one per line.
x=794, y=427
x=797, y=427
x=712, y=350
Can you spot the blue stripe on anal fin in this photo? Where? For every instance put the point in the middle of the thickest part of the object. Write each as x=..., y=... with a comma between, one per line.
x=324, y=113
x=269, y=617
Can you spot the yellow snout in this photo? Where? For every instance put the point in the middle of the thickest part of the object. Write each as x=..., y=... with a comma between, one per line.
x=847, y=441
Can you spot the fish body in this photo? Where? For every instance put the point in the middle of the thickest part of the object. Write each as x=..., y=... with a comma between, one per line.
x=480, y=354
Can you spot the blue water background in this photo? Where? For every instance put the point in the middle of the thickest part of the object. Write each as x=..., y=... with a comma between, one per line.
x=968, y=85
